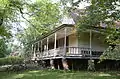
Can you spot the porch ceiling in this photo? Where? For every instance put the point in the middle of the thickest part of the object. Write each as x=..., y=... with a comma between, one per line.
x=60, y=34
x=59, y=30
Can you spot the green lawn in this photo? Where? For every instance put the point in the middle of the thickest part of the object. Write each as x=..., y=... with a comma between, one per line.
x=50, y=74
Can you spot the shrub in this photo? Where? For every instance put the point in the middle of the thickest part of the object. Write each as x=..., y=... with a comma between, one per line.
x=11, y=60
x=16, y=68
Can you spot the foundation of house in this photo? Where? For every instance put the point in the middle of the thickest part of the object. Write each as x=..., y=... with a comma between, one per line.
x=81, y=64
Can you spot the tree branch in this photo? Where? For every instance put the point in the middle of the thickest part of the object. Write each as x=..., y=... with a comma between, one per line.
x=22, y=14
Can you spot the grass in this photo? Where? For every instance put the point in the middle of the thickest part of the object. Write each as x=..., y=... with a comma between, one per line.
x=55, y=74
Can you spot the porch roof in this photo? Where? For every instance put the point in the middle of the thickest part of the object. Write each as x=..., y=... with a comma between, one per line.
x=53, y=31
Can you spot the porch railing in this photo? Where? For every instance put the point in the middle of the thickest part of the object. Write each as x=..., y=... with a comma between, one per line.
x=71, y=51
x=84, y=52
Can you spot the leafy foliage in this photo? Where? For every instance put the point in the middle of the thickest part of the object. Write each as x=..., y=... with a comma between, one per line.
x=102, y=14
x=3, y=48
x=11, y=60
x=111, y=53
x=9, y=11
x=43, y=17
x=113, y=36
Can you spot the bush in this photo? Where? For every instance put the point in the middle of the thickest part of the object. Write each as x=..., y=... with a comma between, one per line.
x=16, y=68
x=11, y=60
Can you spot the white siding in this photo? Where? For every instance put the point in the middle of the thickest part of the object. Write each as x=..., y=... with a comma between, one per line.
x=97, y=41
x=73, y=40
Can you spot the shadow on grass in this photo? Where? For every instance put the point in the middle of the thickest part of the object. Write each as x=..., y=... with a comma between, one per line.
x=55, y=74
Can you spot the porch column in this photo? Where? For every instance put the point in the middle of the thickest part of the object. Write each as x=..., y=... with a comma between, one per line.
x=47, y=45
x=65, y=41
x=41, y=49
x=90, y=44
x=55, y=40
x=91, y=65
x=55, y=44
x=38, y=47
x=38, y=51
x=34, y=49
x=42, y=61
x=64, y=61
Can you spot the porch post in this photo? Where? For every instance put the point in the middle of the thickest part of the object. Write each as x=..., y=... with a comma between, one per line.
x=41, y=48
x=38, y=46
x=34, y=49
x=42, y=62
x=55, y=51
x=47, y=45
x=90, y=44
x=64, y=60
x=55, y=40
x=65, y=41
x=91, y=65
x=55, y=44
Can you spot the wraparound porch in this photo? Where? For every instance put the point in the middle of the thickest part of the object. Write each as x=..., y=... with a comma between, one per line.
x=69, y=52
x=64, y=43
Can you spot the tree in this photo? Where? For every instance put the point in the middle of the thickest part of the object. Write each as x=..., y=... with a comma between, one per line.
x=9, y=14
x=3, y=50
x=43, y=17
x=107, y=13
